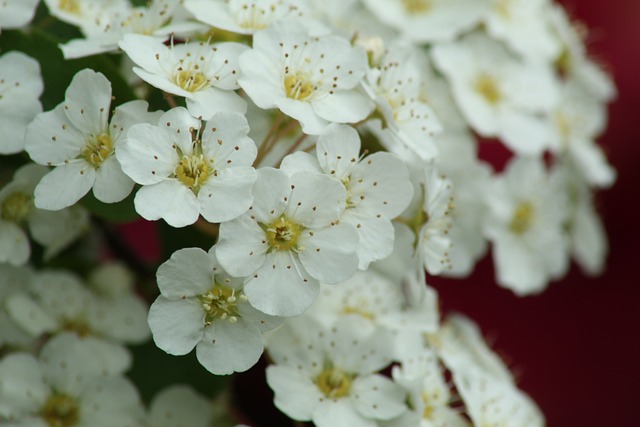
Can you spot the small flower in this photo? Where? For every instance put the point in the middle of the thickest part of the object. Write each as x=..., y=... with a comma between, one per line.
x=377, y=187
x=77, y=139
x=202, y=306
x=289, y=240
x=330, y=376
x=315, y=80
x=527, y=213
x=186, y=169
x=205, y=74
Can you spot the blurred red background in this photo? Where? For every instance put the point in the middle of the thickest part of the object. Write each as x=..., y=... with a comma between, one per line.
x=575, y=347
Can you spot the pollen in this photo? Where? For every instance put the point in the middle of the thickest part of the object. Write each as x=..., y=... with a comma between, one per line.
x=70, y=6
x=298, y=86
x=16, y=207
x=191, y=80
x=60, y=411
x=221, y=303
x=359, y=311
x=193, y=171
x=417, y=6
x=98, y=149
x=522, y=219
x=283, y=234
x=487, y=86
x=334, y=382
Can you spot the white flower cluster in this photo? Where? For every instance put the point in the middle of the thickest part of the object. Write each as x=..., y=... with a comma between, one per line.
x=331, y=149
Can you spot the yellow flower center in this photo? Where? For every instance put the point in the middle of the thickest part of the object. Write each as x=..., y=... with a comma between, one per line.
x=98, y=149
x=359, y=312
x=16, y=207
x=221, y=303
x=522, y=218
x=417, y=6
x=487, y=86
x=193, y=171
x=70, y=6
x=283, y=234
x=503, y=8
x=60, y=411
x=298, y=86
x=334, y=382
x=77, y=326
x=563, y=62
x=191, y=80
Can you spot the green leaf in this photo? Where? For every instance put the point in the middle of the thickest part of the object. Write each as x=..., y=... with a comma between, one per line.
x=120, y=212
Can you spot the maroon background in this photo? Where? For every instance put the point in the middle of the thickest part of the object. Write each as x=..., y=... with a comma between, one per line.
x=575, y=347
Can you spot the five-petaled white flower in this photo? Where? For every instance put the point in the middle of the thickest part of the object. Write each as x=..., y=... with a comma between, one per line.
x=188, y=170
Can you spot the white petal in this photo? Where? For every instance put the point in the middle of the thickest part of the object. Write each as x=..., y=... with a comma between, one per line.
x=179, y=405
x=111, y=185
x=375, y=236
x=51, y=138
x=87, y=101
x=205, y=103
x=316, y=200
x=339, y=413
x=295, y=394
x=65, y=185
x=29, y=315
x=241, y=247
x=377, y=397
x=329, y=255
x=22, y=390
x=230, y=347
x=14, y=244
x=113, y=402
x=147, y=155
x=281, y=287
x=271, y=189
x=177, y=326
x=169, y=200
x=311, y=122
x=227, y=195
x=122, y=319
x=188, y=273
x=346, y=106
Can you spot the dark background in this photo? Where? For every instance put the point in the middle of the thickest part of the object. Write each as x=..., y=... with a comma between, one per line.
x=575, y=347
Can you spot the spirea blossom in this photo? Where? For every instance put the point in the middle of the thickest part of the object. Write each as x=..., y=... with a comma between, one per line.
x=188, y=169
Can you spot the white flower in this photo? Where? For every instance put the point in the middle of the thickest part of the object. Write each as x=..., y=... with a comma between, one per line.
x=458, y=160
x=499, y=95
x=578, y=119
x=20, y=87
x=462, y=348
x=202, y=306
x=589, y=245
x=433, y=221
x=525, y=26
x=395, y=84
x=159, y=18
x=71, y=384
x=527, y=213
x=573, y=59
x=85, y=14
x=312, y=79
x=17, y=13
x=186, y=170
x=289, y=240
x=246, y=16
x=55, y=230
x=57, y=301
x=378, y=187
x=429, y=396
x=78, y=140
x=329, y=376
x=493, y=403
x=205, y=74
x=12, y=279
x=179, y=406
x=426, y=21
